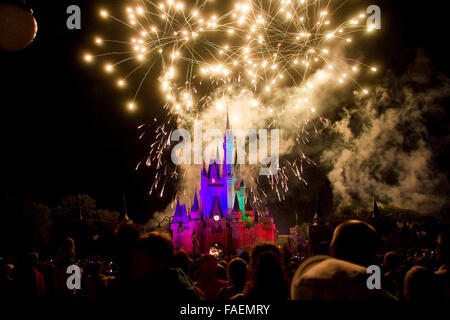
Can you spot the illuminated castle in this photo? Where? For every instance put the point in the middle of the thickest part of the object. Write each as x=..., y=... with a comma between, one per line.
x=220, y=219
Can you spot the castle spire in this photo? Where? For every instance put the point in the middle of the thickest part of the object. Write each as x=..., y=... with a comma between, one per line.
x=318, y=214
x=195, y=207
x=204, y=172
x=375, y=212
x=217, y=154
x=228, y=120
x=228, y=146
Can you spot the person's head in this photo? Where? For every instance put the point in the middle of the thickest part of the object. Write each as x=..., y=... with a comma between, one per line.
x=97, y=268
x=444, y=247
x=8, y=270
x=221, y=272
x=355, y=241
x=224, y=263
x=181, y=260
x=266, y=276
x=322, y=248
x=208, y=266
x=245, y=256
x=152, y=255
x=125, y=240
x=326, y=278
x=31, y=259
x=66, y=252
x=68, y=244
x=422, y=284
x=126, y=236
x=391, y=261
x=237, y=272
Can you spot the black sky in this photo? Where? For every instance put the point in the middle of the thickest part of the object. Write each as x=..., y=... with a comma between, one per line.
x=65, y=129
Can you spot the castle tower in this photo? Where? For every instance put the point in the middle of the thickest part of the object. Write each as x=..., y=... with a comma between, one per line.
x=180, y=215
x=265, y=228
x=180, y=219
x=194, y=236
x=249, y=213
x=236, y=213
x=227, y=166
x=228, y=146
x=195, y=210
x=217, y=231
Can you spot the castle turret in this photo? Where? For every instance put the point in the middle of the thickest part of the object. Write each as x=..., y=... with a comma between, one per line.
x=237, y=226
x=265, y=228
x=195, y=210
x=236, y=212
x=180, y=214
x=194, y=237
x=227, y=166
x=204, y=172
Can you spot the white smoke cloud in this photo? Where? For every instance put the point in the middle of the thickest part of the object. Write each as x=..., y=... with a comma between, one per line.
x=384, y=146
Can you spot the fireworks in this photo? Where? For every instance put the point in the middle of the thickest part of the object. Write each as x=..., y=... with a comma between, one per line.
x=208, y=54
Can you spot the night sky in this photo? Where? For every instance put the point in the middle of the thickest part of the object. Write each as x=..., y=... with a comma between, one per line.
x=65, y=130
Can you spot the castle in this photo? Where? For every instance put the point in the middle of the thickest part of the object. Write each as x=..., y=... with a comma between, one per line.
x=220, y=219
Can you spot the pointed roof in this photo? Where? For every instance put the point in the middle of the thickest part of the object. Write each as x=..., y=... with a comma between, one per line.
x=214, y=166
x=184, y=211
x=204, y=172
x=195, y=207
x=236, y=167
x=216, y=207
x=236, y=204
x=178, y=209
x=217, y=160
x=180, y=212
x=318, y=212
x=375, y=212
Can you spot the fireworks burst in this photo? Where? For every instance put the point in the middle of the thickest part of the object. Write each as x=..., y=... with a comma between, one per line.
x=240, y=55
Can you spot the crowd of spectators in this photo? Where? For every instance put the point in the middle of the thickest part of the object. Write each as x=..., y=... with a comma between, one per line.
x=145, y=267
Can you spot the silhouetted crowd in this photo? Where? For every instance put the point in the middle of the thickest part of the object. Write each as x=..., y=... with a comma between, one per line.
x=146, y=268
